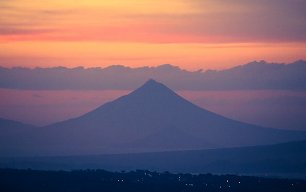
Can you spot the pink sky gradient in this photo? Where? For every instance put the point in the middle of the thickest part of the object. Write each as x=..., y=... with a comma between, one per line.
x=193, y=34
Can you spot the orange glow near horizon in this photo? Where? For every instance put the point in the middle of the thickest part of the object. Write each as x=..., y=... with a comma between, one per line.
x=187, y=56
x=96, y=33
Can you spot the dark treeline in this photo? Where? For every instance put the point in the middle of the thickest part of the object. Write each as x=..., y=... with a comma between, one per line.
x=99, y=180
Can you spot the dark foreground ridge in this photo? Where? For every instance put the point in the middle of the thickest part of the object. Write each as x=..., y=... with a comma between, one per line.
x=100, y=180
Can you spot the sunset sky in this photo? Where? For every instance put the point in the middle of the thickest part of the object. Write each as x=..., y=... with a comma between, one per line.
x=193, y=34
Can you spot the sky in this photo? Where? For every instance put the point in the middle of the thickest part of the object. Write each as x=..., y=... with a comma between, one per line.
x=190, y=34
x=193, y=34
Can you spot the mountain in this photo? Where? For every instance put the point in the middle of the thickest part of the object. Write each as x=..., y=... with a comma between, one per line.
x=151, y=118
x=285, y=160
x=251, y=76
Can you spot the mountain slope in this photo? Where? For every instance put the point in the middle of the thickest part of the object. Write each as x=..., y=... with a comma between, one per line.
x=152, y=118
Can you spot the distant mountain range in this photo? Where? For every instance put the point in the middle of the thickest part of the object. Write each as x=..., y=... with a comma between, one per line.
x=152, y=118
x=284, y=160
x=254, y=75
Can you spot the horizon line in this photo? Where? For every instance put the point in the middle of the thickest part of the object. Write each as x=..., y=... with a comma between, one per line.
x=156, y=66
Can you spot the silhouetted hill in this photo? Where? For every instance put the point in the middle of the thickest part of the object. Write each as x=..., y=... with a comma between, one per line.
x=13, y=135
x=254, y=75
x=151, y=118
x=6, y=124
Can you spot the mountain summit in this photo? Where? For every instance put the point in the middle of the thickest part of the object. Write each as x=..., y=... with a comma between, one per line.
x=153, y=88
x=151, y=118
